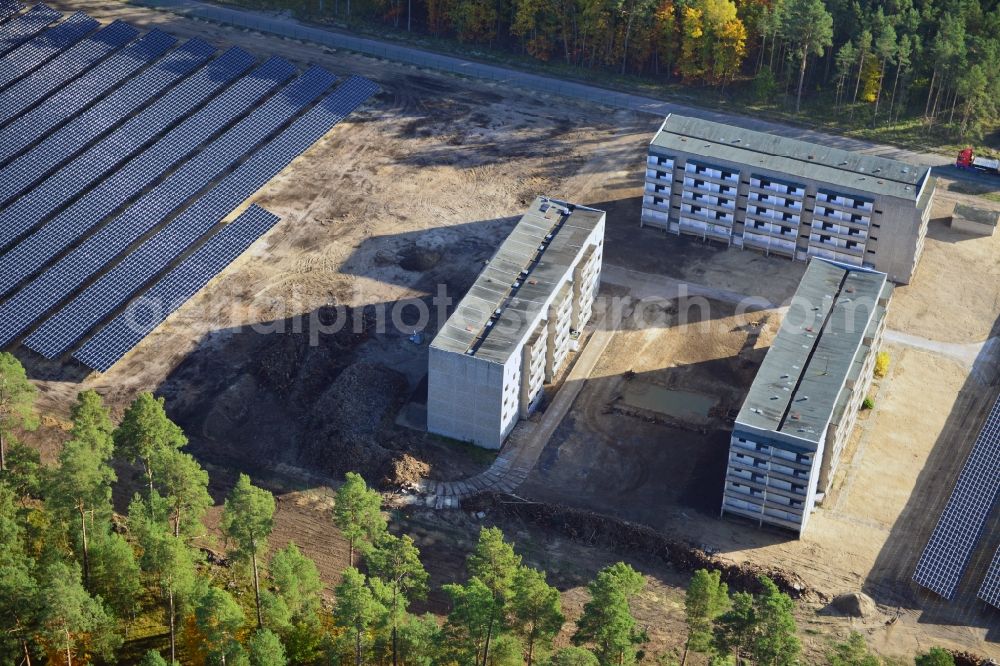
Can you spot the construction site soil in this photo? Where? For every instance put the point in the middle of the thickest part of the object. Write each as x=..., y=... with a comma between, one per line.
x=414, y=192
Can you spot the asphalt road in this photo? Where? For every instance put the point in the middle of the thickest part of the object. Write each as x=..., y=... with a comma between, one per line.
x=287, y=27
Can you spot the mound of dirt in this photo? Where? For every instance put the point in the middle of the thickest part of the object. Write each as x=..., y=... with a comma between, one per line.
x=854, y=604
x=355, y=405
x=404, y=471
x=418, y=259
x=345, y=420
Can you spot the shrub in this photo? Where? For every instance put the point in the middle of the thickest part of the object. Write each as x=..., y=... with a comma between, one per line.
x=935, y=657
x=869, y=403
x=881, y=364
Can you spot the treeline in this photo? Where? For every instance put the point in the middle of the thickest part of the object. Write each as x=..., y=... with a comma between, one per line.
x=870, y=62
x=78, y=581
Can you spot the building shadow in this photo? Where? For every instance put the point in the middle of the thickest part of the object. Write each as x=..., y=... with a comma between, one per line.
x=652, y=448
x=890, y=580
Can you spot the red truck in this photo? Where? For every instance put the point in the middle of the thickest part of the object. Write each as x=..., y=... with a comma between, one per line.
x=968, y=160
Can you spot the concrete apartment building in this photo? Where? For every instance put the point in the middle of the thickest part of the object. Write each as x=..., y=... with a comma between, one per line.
x=787, y=197
x=792, y=428
x=512, y=332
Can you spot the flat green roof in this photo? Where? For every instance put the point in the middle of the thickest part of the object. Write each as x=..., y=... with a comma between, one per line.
x=826, y=164
x=796, y=389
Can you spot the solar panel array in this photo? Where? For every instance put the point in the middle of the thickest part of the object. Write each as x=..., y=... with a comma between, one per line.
x=103, y=158
x=78, y=95
x=37, y=51
x=960, y=528
x=174, y=289
x=121, y=154
x=69, y=64
x=62, y=145
x=136, y=176
x=152, y=209
x=8, y=9
x=114, y=288
x=15, y=32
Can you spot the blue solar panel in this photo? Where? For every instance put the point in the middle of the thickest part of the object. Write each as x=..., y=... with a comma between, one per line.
x=15, y=32
x=81, y=93
x=150, y=210
x=8, y=9
x=990, y=590
x=44, y=46
x=174, y=289
x=30, y=210
x=140, y=172
x=56, y=148
x=961, y=525
x=107, y=294
x=69, y=64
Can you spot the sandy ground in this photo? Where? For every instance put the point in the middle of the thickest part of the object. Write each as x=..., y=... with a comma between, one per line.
x=900, y=466
x=416, y=190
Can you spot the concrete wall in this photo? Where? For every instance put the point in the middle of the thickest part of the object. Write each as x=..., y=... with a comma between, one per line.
x=465, y=397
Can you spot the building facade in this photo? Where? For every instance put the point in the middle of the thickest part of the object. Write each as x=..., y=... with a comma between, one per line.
x=512, y=332
x=786, y=197
x=800, y=411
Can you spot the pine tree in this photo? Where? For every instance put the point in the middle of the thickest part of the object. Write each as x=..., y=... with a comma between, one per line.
x=607, y=622
x=706, y=599
x=357, y=511
x=185, y=487
x=167, y=561
x=297, y=588
x=356, y=609
x=472, y=618
x=808, y=28
x=266, y=649
x=145, y=433
x=220, y=619
x=68, y=615
x=247, y=521
x=17, y=402
x=80, y=490
x=536, y=611
x=395, y=563
x=495, y=563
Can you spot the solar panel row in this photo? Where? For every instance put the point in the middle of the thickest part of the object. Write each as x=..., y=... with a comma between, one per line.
x=8, y=9
x=156, y=205
x=98, y=161
x=40, y=49
x=113, y=290
x=69, y=64
x=140, y=172
x=961, y=525
x=990, y=589
x=78, y=95
x=174, y=289
x=105, y=115
x=64, y=328
x=15, y=32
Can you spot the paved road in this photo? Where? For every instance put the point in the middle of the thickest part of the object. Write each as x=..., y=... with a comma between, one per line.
x=288, y=27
